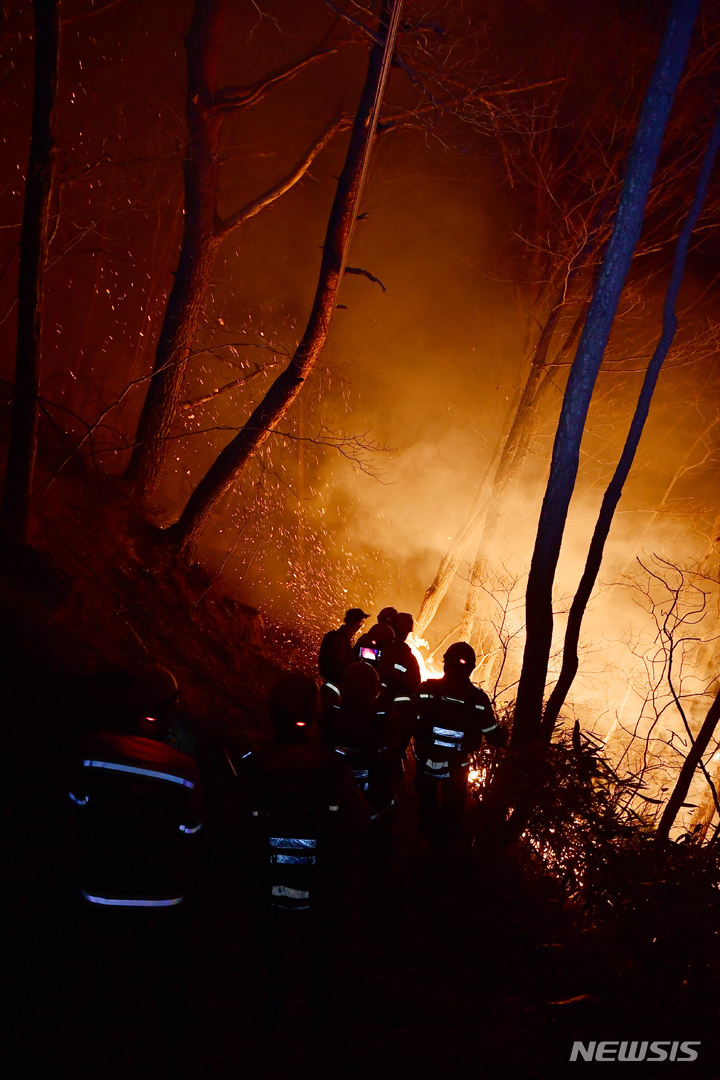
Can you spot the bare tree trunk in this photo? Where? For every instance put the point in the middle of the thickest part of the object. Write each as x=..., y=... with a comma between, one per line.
x=231, y=461
x=596, y=332
x=687, y=771
x=615, y=487
x=203, y=230
x=33, y=253
x=197, y=253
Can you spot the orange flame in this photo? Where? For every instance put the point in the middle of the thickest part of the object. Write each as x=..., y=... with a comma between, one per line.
x=428, y=667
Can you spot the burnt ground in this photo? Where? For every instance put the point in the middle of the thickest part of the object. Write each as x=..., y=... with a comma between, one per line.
x=454, y=964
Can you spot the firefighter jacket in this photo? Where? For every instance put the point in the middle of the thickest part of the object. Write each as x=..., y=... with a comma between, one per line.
x=307, y=809
x=400, y=674
x=399, y=669
x=453, y=715
x=141, y=807
x=336, y=653
x=364, y=738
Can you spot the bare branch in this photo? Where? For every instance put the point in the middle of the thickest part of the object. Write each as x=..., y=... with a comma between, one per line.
x=407, y=116
x=239, y=97
x=352, y=447
x=375, y=38
x=340, y=123
x=365, y=273
x=88, y=14
x=258, y=370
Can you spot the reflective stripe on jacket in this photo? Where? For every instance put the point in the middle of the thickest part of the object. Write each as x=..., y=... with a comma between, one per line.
x=453, y=715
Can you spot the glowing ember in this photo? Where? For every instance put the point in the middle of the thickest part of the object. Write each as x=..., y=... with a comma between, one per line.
x=477, y=776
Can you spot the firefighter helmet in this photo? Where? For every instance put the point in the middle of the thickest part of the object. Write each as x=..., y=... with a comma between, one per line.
x=294, y=701
x=460, y=657
x=402, y=623
x=153, y=687
x=354, y=616
x=381, y=634
x=360, y=684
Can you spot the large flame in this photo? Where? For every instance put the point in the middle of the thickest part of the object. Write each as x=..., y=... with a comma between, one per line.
x=428, y=667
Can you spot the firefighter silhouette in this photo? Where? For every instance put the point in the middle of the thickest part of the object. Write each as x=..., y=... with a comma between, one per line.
x=140, y=800
x=308, y=813
x=362, y=734
x=304, y=798
x=453, y=716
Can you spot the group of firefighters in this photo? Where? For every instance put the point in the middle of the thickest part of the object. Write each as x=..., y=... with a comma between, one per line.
x=332, y=770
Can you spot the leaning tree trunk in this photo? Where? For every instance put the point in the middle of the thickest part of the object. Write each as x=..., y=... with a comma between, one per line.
x=596, y=332
x=611, y=498
x=450, y=559
x=33, y=253
x=687, y=771
x=513, y=457
x=231, y=461
x=516, y=443
x=513, y=445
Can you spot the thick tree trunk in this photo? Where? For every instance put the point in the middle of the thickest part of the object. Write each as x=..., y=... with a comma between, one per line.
x=33, y=253
x=197, y=253
x=596, y=332
x=687, y=771
x=615, y=487
x=231, y=461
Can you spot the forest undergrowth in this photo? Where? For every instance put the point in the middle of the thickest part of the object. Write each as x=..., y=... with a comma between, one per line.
x=100, y=591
